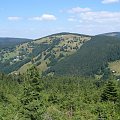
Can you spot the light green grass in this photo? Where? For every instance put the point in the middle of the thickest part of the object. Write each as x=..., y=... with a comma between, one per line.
x=115, y=66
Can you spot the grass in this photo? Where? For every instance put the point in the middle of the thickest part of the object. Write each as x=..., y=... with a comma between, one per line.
x=43, y=66
x=10, y=55
x=24, y=68
x=115, y=66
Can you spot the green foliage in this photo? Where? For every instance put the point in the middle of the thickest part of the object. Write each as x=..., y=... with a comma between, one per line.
x=91, y=58
x=32, y=104
x=29, y=97
x=110, y=92
x=37, y=51
x=14, y=67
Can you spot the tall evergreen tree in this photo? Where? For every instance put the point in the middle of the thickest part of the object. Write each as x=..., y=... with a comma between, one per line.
x=110, y=92
x=33, y=106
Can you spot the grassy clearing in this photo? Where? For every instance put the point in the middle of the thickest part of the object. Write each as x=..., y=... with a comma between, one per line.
x=10, y=55
x=115, y=66
x=24, y=68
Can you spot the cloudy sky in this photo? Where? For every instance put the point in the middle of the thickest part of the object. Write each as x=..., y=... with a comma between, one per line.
x=37, y=18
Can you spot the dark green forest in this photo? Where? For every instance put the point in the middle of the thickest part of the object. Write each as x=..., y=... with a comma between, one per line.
x=6, y=42
x=92, y=58
x=31, y=97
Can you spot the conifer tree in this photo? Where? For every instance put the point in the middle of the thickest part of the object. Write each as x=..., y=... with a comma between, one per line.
x=110, y=92
x=33, y=106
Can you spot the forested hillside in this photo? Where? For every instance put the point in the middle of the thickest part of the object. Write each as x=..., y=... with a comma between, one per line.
x=11, y=42
x=63, y=54
x=92, y=58
x=30, y=97
x=43, y=52
x=112, y=34
x=54, y=78
x=66, y=63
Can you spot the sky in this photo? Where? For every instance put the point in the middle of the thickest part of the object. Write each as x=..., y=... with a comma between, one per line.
x=38, y=18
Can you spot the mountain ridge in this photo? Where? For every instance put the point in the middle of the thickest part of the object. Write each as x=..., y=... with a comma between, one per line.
x=47, y=52
x=43, y=52
x=12, y=41
x=112, y=34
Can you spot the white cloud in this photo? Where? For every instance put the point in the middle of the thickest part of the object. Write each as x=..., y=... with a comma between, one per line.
x=95, y=21
x=89, y=16
x=72, y=19
x=101, y=17
x=79, y=10
x=44, y=17
x=110, y=1
x=14, y=18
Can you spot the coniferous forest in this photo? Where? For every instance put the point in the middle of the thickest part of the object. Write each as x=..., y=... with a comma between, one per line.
x=76, y=84
x=59, y=59
x=92, y=58
x=31, y=97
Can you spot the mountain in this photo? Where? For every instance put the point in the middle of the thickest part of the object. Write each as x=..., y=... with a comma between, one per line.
x=112, y=34
x=63, y=54
x=43, y=52
x=6, y=42
x=92, y=58
x=68, y=95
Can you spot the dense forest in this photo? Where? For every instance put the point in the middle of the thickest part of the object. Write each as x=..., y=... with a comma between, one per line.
x=92, y=58
x=6, y=42
x=112, y=34
x=31, y=97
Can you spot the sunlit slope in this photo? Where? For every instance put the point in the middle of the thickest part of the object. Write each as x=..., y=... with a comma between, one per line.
x=44, y=52
x=115, y=67
x=92, y=58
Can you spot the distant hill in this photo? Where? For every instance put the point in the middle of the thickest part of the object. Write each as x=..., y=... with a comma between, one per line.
x=92, y=58
x=62, y=54
x=112, y=34
x=43, y=52
x=6, y=42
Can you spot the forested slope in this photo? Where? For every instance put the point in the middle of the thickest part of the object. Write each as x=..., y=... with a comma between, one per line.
x=30, y=97
x=91, y=58
x=43, y=52
x=112, y=34
x=6, y=42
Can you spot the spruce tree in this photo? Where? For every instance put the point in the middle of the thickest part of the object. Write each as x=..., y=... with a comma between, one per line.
x=33, y=106
x=110, y=92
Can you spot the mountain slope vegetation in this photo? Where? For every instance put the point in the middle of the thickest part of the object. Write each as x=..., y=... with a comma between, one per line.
x=92, y=58
x=112, y=34
x=73, y=92
x=30, y=97
x=63, y=54
x=43, y=52
x=6, y=42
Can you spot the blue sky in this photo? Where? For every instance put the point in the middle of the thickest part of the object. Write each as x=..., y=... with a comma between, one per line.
x=37, y=18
